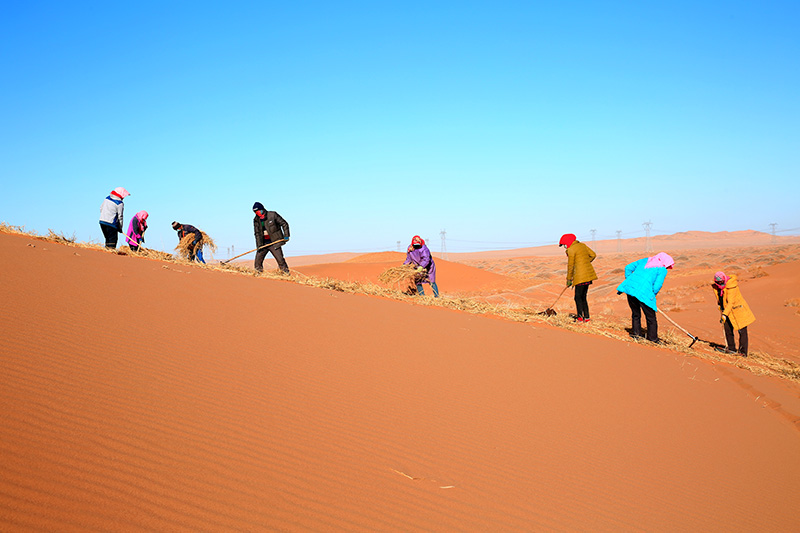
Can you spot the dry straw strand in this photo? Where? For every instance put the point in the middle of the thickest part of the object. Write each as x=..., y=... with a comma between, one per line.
x=398, y=274
x=185, y=244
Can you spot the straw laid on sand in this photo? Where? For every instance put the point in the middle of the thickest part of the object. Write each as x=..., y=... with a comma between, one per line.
x=186, y=243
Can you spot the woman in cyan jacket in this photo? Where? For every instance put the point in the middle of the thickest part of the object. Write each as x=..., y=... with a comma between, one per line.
x=420, y=256
x=580, y=272
x=736, y=314
x=643, y=280
x=136, y=229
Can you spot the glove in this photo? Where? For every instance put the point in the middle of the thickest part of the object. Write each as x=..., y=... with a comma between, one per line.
x=420, y=270
x=569, y=283
x=619, y=293
x=723, y=318
x=286, y=239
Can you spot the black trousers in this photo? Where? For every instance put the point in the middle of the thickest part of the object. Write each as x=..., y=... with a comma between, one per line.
x=581, y=303
x=277, y=253
x=111, y=235
x=637, y=308
x=731, y=340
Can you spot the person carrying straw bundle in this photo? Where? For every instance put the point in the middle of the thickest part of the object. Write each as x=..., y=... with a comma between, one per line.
x=419, y=256
x=271, y=232
x=191, y=241
x=580, y=272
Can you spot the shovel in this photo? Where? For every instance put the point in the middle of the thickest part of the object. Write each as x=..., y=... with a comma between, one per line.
x=251, y=251
x=550, y=311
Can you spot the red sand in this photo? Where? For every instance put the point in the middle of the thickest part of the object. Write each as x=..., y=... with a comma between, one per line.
x=140, y=395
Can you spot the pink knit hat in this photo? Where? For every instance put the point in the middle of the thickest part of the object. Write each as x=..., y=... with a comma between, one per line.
x=121, y=192
x=142, y=215
x=661, y=259
x=721, y=279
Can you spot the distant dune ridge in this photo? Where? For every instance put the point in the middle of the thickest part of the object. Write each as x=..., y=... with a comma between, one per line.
x=141, y=394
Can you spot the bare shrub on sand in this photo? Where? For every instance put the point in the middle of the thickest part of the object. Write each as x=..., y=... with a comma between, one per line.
x=792, y=302
x=185, y=245
x=758, y=272
x=60, y=237
x=8, y=228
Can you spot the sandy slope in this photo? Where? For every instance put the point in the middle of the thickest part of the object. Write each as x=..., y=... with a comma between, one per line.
x=140, y=395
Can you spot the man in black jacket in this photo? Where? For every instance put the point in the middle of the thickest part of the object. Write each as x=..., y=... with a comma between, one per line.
x=269, y=227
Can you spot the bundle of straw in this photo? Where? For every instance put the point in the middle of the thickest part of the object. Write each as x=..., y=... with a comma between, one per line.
x=399, y=274
x=185, y=245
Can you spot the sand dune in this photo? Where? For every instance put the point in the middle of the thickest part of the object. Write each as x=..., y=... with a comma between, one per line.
x=141, y=395
x=452, y=278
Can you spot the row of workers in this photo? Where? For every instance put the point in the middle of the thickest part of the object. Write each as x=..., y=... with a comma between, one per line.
x=643, y=281
x=271, y=230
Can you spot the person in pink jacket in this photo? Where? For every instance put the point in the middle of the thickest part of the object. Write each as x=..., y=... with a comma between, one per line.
x=136, y=229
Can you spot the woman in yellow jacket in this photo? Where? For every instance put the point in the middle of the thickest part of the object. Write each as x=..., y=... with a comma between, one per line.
x=736, y=313
x=580, y=272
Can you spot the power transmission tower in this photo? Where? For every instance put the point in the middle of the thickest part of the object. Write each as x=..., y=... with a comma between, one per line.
x=774, y=237
x=398, y=246
x=443, y=233
x=647, y=246
x=594, y=231
x=619, y=240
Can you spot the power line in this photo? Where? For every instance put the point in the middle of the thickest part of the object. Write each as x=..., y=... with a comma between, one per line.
x=443, y=233
x=647, y=225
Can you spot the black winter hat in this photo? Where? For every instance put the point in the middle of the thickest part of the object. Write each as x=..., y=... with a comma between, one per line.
x=176, y=225
x=258, y=206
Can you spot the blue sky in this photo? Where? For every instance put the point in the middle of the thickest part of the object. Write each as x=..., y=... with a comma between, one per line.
x=365, y=123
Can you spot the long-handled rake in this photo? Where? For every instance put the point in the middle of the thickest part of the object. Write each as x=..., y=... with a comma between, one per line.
x=131, y=241
x=550, y=311
x=693, y=337
x=253, y=250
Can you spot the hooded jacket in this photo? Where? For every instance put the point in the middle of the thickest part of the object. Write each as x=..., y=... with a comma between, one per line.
x=136, y=228
x=579, y=263
x=422, y=257
x=642, y=282
x=111, y=212
x=732, y=304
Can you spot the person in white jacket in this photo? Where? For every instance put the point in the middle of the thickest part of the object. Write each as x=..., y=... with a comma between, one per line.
x=111, y=216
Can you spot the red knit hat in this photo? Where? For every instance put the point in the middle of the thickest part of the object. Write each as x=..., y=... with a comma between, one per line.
x=417, y=240
x=567, y=239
